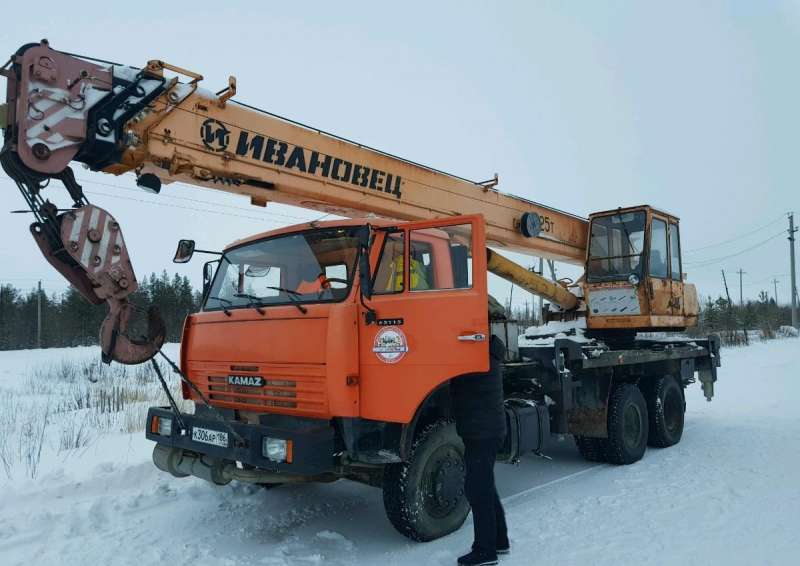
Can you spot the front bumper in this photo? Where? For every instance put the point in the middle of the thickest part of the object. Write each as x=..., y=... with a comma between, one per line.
x=313, y=441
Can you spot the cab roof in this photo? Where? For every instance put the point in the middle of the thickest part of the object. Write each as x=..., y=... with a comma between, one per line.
x=645, y=207
x=313, y=225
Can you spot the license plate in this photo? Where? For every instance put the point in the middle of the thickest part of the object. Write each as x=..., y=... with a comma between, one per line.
x=207, y=436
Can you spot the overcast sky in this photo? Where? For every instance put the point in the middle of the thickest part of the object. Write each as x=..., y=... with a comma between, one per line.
x=689, y=106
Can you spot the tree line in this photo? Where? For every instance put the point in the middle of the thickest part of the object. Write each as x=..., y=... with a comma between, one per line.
x=733, y=322
x=70, y=320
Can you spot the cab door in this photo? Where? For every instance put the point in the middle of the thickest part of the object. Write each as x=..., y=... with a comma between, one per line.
x=658, y=269
x=676, y=273
x=431, y=303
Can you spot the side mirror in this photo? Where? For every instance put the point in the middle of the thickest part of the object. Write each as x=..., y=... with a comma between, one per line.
x=208, y=276
x=184, y=252
x=365, y=278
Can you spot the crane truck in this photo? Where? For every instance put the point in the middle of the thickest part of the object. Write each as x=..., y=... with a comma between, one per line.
x=325, y=350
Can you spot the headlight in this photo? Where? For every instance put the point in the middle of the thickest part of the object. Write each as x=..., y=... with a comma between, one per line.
x=633, y=279
x=276, y=449
x=165, y=426
x=162, y=426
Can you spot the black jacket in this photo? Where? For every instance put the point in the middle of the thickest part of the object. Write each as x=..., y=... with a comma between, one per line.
x=478, y=398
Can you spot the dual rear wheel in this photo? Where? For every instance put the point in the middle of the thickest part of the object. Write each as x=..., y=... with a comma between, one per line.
x=637, y=417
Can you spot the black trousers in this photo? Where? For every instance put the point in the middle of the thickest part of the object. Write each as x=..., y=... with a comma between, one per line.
x=488, y=517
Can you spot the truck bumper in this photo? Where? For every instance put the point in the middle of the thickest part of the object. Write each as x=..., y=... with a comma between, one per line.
x=312, y=447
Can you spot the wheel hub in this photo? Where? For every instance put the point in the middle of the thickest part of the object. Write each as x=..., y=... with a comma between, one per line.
x=632, y=426
x=445, y=485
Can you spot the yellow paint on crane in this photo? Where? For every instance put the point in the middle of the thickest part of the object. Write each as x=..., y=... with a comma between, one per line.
x=531, y=282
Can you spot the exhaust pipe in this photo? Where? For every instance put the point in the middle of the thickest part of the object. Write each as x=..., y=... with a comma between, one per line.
x=181, y=464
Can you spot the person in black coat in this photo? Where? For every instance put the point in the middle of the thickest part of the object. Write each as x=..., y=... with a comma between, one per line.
x=481, y=423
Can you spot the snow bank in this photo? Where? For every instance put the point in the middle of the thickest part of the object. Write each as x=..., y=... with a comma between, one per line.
x=727, y=494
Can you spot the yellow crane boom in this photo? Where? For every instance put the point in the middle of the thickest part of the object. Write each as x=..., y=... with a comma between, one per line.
x=159, y=124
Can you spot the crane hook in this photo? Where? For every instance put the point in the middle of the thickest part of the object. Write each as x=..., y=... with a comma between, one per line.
x=98, y=266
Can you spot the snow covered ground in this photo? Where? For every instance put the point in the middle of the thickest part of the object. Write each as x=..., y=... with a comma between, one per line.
x=729, y=493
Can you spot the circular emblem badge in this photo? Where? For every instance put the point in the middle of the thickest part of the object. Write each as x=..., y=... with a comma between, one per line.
x=215, y=135
x=390, y=345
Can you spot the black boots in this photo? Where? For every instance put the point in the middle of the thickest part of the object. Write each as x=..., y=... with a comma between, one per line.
x=478, y=558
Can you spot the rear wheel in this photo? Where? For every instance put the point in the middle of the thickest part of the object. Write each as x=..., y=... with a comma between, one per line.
x=628, y=426
x=424, y=496
x=666, y=409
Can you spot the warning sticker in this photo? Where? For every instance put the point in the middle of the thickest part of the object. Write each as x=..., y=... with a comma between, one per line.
x=390, y=345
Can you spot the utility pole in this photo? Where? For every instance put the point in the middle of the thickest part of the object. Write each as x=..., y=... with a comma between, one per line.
x=741, y=295
x=39, y=316
x=725, y=282
x=792, y=230
x=775, y=283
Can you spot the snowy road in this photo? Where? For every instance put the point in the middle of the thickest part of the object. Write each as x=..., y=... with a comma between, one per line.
x=727, y=494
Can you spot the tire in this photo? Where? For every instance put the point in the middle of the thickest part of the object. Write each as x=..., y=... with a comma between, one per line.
x=666, y=408
x=592, y=449
x=628, y=427
x=424, y=496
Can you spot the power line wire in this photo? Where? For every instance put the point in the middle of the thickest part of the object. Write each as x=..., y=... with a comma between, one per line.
x=765, y=279
x=216, y=205
x=714, y=261
x=735, y=238
x=270, y=212
x=182, y=207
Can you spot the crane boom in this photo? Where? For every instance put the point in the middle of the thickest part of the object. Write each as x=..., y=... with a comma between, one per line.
x=116, y=119
x=180, y=132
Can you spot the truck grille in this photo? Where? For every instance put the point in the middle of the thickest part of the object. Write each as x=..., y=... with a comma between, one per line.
x=288, y=389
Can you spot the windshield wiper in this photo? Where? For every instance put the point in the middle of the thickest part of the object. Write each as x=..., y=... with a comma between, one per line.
x=291, y=294
x=252, y=302
x=221, y=301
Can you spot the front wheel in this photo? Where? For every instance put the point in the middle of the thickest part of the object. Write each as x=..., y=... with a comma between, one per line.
x=424, y=496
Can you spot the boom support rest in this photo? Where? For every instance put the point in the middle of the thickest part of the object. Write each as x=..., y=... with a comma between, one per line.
x=531, y=282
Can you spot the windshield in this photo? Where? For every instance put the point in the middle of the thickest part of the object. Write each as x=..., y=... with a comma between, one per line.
x=306, y=267
x=615, y=248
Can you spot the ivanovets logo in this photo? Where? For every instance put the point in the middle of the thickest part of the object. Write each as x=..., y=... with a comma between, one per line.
x=216, y=137
x=246, y=380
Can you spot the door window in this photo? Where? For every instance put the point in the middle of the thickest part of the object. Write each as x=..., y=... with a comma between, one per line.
x=675, y=252
x=658, y=249
x=389, y=277
x=441, y=258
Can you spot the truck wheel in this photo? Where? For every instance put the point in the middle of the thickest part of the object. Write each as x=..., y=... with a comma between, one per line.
x=592, y=449
x=627, y=425
x=424, y=496
x=666, y=408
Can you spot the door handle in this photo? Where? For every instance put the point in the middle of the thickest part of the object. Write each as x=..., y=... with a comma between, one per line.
x=477, y=337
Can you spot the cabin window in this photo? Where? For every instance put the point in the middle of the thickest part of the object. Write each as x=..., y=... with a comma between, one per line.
x=675, y=252
x=389, y=277
x=658, y=249
x=441, y=258
x=615, y=246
